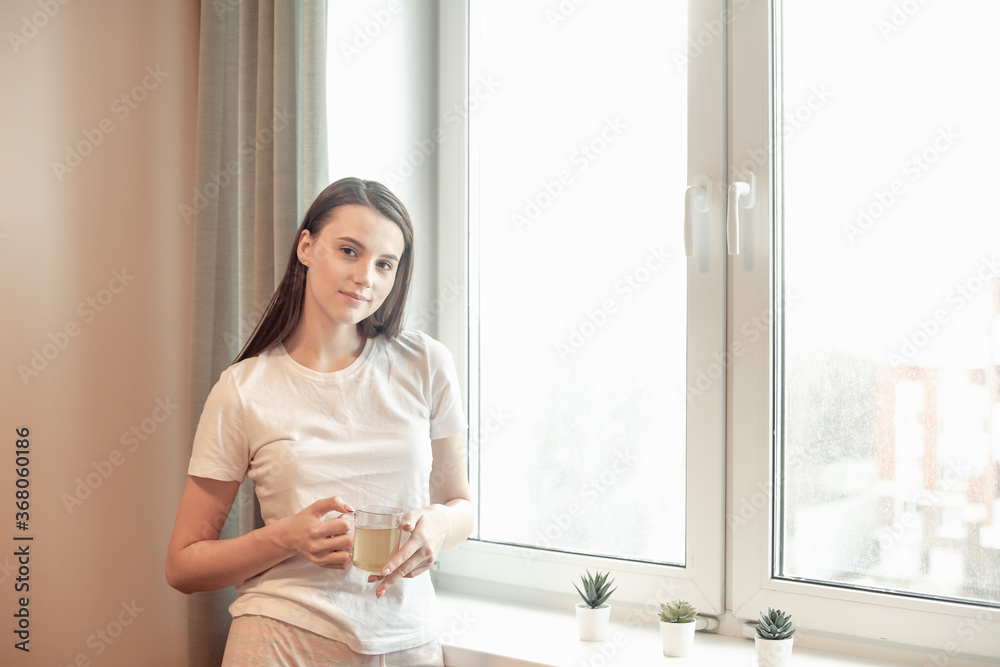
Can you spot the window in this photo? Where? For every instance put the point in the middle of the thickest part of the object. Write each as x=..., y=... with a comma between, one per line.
x=879, y=438
x=582, y=298
x=908, y=383
x=839, y=385
x=582, y=282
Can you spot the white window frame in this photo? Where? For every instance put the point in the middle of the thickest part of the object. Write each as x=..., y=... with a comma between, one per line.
x=942, y=629
x=737, y=413
x=532, y=575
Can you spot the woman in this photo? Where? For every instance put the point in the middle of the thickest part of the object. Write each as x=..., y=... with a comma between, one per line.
x=330, y=406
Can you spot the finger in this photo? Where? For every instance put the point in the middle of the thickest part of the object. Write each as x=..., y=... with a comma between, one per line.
x=331, y=543
x=334, y=527
x=336, y=550
x=322, y=556
x=399, y=558
x=389, y=580
x=402, y=573
x=326, y=505
x=327, y=537
x=398, y=572
x=420, y=569
x=336, y=560
x=409, y=520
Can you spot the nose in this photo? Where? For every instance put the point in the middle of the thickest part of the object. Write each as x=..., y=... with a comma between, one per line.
x=363, y=274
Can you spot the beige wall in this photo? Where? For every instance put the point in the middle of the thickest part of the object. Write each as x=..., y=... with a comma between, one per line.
x=95, y=270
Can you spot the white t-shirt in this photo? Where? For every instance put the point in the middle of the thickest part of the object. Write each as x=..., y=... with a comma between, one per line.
x=363, y=433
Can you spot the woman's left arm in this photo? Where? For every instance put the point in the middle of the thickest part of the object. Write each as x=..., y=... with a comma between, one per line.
x=447, y=522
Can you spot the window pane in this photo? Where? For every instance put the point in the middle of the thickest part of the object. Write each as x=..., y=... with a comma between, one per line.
x=891, y=279
x=581, y=174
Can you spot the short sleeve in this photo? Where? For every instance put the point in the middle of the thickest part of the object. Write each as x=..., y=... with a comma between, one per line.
x=221, y=448
x=447, y=414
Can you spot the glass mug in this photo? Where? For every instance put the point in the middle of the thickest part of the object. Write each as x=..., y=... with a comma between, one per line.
x=376, y=536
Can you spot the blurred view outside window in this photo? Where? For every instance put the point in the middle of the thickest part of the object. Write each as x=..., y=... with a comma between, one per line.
x=581, y=159
x=890, y=372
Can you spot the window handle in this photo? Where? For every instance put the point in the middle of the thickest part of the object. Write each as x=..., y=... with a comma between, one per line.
x=697, y=199
x=741, y=195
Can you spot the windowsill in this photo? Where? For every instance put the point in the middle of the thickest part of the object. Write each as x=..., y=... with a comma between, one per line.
x=478, y=632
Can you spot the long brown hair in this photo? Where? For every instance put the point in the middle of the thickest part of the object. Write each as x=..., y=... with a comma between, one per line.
x=285, y=308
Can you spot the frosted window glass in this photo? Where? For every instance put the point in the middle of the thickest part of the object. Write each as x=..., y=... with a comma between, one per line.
x=582, y=170
x=891, y=273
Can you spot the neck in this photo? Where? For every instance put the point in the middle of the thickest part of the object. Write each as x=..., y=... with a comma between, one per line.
x=325, y=347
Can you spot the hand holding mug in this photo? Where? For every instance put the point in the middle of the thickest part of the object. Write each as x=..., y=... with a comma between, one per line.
x=324, y=542
x=376, y=536
x=428, y=528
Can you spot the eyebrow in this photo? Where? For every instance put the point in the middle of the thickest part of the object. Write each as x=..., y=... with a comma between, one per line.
x=361, y=245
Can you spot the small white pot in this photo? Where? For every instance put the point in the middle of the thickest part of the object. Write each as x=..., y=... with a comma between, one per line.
x=774, y=652
x=593, y=623
x=678, y=638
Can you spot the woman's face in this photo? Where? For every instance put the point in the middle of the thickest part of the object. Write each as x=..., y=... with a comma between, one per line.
x=352, y=265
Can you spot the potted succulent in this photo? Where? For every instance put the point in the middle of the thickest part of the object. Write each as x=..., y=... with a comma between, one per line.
x=677, y=628
x=594, y=614
x=774, y=638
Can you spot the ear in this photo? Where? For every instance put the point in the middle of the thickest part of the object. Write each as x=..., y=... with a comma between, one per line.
x=305, y=247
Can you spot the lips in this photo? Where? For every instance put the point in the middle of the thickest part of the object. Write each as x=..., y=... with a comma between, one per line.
x=356, y=298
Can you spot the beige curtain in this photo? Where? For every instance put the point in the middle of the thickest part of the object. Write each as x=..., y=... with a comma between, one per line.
x=261, y=160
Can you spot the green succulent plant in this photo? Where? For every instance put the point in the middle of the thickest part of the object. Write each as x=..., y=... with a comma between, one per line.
x=595, y=589
x=678, y=611
x=776, y=624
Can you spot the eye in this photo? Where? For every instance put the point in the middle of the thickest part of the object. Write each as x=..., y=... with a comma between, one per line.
x=350, y=252
x=385, y=266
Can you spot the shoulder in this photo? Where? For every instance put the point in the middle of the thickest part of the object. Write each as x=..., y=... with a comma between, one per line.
x=411, y=341
x=417, y=347
x=248, y=370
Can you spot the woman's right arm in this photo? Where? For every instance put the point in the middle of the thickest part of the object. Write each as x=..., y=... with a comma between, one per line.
x=197, y=560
